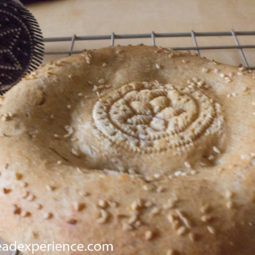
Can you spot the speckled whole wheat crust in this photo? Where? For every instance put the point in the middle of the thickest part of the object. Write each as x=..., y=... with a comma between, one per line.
x=147, y=149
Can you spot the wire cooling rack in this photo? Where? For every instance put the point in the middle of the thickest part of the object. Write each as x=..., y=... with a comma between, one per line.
x=153, y=35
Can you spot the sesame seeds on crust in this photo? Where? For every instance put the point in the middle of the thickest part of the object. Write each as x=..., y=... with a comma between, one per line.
x=137, y=153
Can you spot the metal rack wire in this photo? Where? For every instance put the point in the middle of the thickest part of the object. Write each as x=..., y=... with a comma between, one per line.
x=193, y=35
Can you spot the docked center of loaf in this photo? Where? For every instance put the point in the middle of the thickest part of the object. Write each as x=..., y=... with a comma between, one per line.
x=151, y=127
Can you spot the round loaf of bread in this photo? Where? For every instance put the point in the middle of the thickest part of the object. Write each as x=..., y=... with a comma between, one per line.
x=140, y=147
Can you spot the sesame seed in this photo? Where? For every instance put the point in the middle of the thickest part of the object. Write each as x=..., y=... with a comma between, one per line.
x=193, y=172
x=68, y=106
x=171, y=252
x=136, y=204
x=149, y=178
x=79, y=206
x=148, y=204
x=252, y=154
x=24, y=184
x=205, y=70
x=72, y=221
x=171, y=203
x=127, y=227
x=211, y=157
x=157, y=66
x=35, y=234
x=80, y=94
x=133, y=218
x=118, y=51
x=181, y=231
x=6, y=190
x=146, y=187
x=228, y=194
x=204, y=208
x=229, y=204
x=156, y=176
x=17, y=209
x=31, y=197
x=113, y=204
x=155, y=211
x=18, y=176
x=171, y=218
x=216, y=150
x=104, y=64
x=50, y=187
x=69, y=131
x=101, y=81
x=38, y=206
x=75, y=152
x=48, y=216
x=183, y=218
x=193, y=237
x=160, y=189
x=178, y=173
x=138, y=223
x=227, y=80
x=7, y=116
x=104, y=216
x=200, y=83
x=187, y=164
x=59, y=162
x=148, y=235
x=206, y=218
x=79, y=170
x=211, y=230
x=87, y=58
x=102, y=203
x=84, y=193
x=25, y=214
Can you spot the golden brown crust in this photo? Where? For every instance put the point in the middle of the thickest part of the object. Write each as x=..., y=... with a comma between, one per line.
x=154, y=147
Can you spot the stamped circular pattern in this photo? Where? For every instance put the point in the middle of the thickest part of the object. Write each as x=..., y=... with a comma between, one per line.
x=150, y=117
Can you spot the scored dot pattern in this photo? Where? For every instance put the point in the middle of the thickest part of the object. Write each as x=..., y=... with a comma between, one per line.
x=149, y=117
